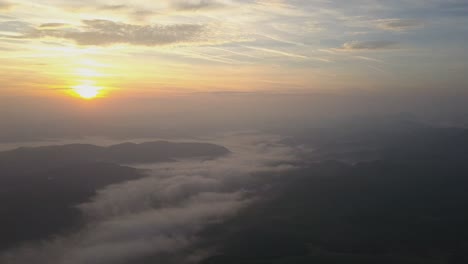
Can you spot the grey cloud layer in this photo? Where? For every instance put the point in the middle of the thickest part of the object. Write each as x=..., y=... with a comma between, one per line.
x=105, y=32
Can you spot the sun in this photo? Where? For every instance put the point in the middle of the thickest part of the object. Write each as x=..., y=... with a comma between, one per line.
x=87, y=91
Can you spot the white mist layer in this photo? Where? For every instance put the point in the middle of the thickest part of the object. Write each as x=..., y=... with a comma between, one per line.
x=162, y=213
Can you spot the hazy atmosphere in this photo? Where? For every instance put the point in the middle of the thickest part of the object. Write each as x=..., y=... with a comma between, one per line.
x=233, y=131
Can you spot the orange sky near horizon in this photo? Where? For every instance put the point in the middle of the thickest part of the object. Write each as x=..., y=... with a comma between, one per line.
x=108, y=48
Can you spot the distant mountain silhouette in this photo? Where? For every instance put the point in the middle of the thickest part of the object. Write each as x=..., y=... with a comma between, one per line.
x=40, y=186
x=23, y=159
x=366, y=140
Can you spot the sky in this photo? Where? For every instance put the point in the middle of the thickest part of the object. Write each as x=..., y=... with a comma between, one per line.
x=105, y=48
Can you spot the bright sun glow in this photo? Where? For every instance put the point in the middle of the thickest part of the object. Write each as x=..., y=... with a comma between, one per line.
x=86, y=72
x=87, y=91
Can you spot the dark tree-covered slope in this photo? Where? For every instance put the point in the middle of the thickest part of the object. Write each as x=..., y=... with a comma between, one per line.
x=408, y=207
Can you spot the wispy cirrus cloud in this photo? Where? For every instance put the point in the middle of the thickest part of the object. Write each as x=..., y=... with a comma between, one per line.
x=191, y=5
x=53, y=25
x=99, y=32
x=370, y=45
x=113, y=7
x=399, y=24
